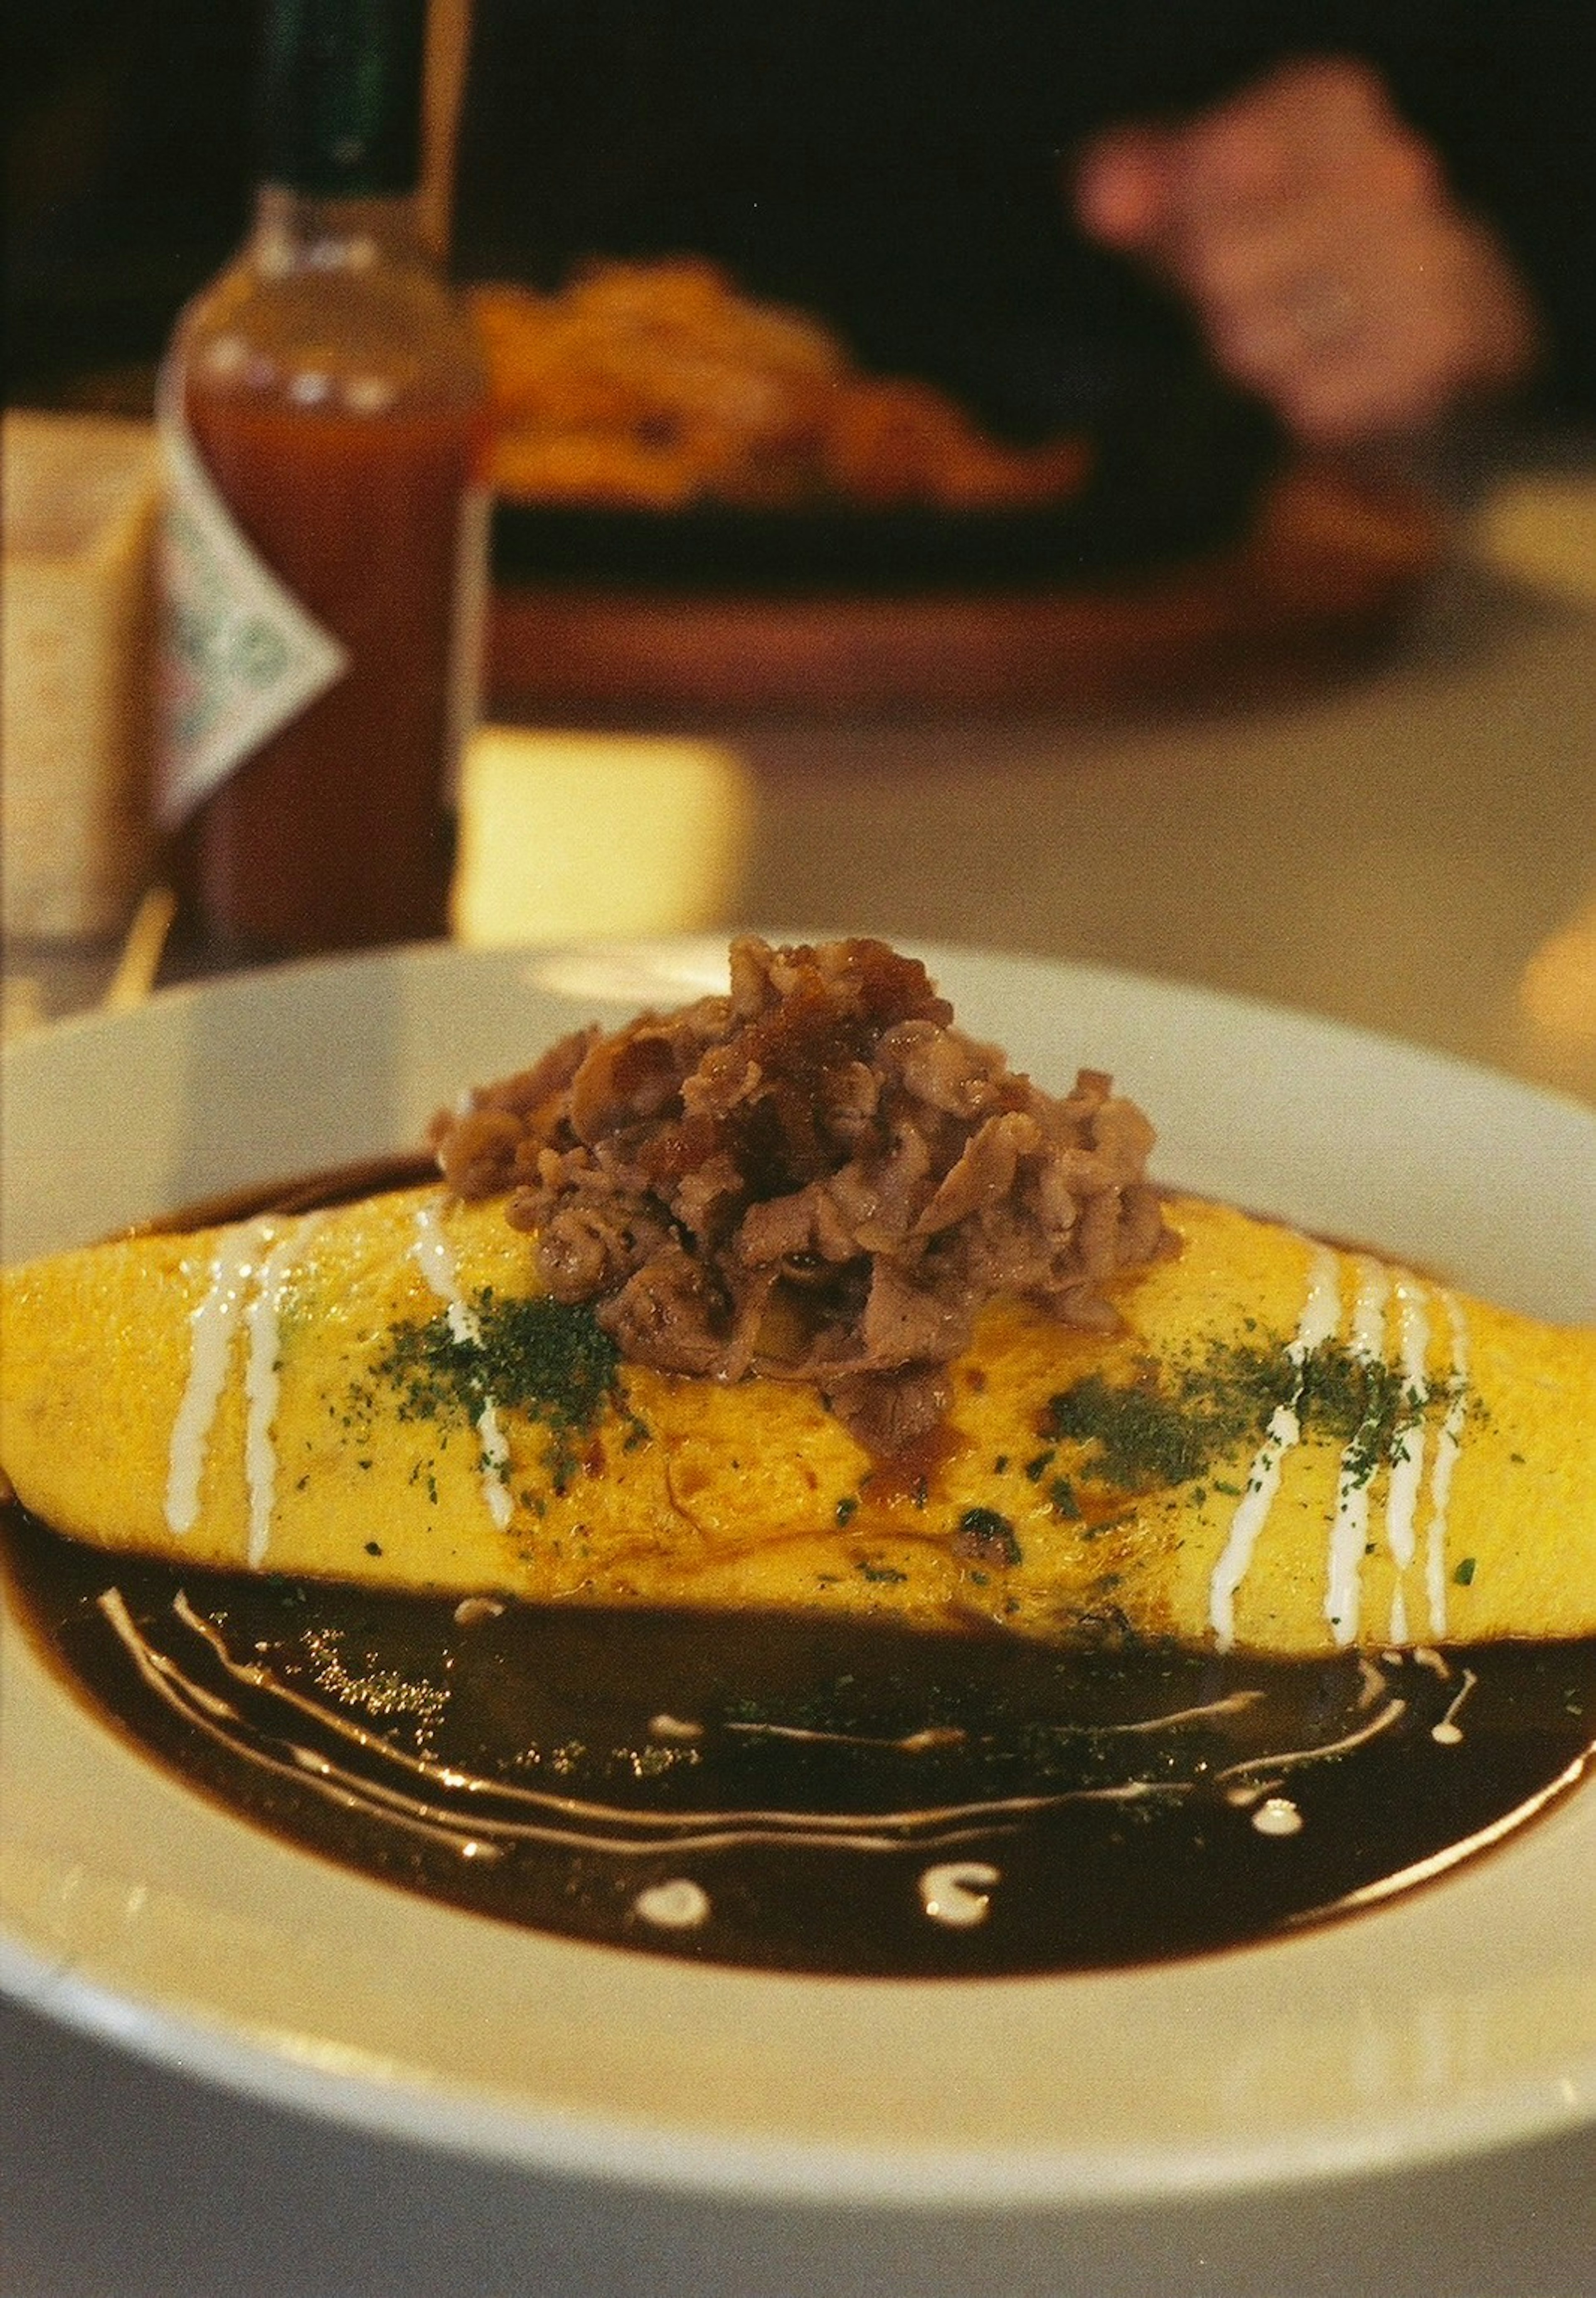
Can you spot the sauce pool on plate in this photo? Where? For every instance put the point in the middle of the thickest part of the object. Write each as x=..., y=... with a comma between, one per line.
x=825, y=1796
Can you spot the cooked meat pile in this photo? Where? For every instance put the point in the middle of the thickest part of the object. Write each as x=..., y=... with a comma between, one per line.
x=816, y=1178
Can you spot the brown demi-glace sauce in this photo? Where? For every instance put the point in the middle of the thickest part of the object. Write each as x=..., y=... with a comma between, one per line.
x=801, y=1795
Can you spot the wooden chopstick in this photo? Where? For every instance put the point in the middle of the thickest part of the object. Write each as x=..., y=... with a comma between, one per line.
x=142, y=952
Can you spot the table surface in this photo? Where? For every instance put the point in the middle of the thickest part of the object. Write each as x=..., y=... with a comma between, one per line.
x=1409, y=845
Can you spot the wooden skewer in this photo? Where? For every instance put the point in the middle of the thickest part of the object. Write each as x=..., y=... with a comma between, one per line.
x=140, y=961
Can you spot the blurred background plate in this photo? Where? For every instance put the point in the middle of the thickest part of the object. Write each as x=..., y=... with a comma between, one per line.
x=1312, y=565
x=1177, y=469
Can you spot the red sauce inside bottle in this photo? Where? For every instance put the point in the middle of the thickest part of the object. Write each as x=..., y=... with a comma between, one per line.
x=336, y=833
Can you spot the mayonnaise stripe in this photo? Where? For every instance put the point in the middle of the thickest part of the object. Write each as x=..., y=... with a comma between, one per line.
x=434, y=1257
x=568, y=1821
x=1349, y=1528
x=495, y=1467
x=261, y=1385
x=1319, y=1321
x=1406, y=1452
x=1446, y=1461
x=210, y=1327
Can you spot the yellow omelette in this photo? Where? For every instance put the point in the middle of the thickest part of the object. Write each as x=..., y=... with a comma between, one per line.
x=1284, y=1447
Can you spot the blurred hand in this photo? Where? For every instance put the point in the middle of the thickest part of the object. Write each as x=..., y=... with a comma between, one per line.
x=1314, y=233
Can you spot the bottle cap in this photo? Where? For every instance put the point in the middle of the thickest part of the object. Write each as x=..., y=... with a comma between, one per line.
x=341, y=95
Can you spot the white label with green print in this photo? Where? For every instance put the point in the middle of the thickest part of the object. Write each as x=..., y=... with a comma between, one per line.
x=241, y=657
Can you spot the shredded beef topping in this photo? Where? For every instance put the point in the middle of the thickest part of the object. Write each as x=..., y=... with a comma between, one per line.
x=816, y=1177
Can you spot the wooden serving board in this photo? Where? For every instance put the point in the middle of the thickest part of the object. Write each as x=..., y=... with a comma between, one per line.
x=1331, y=562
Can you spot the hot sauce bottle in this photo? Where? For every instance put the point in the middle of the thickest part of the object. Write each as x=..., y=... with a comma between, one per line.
x=324, y=415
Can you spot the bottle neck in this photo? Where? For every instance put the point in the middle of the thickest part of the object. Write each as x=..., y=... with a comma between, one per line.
x=296, y=232
x=341, y=97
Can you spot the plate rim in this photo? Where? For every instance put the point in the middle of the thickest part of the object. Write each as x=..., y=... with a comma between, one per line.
x=407, y=2105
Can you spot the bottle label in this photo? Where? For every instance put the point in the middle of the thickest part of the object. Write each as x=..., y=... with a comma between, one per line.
x=240, y=657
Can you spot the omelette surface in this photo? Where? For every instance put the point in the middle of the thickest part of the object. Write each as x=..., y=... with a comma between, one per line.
x=1283, y=1447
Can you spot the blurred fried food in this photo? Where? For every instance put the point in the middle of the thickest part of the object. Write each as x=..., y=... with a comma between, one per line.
x=657, y=385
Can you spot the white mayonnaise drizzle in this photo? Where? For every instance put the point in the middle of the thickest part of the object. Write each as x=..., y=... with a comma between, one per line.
x=679, y=1905
x=248, y=1280
x=1407, y=1454
x=434, y=1257
x=1446, y=1460
x=502, y=1813
x=1349, y=1527
x=222, y=1722
x=1371, y=1683
x=260, y=1384
x=1319, y=1321
x=408, y=1792
x=1348, y=1543
x=933, y=1736
x=211, y=1327
x=957, y=1894
x=1243, y=1783
x=1448, y=1731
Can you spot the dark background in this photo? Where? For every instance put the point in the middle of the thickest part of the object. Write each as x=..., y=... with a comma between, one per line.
x=893, y=163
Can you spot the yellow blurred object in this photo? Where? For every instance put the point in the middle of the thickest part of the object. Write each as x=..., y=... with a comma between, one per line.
x=1542, y=530
x=80, y=501
x=569, y=837
x=1557, y=990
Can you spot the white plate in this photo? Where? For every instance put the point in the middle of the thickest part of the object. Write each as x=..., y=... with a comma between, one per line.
x=1462, y=2017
